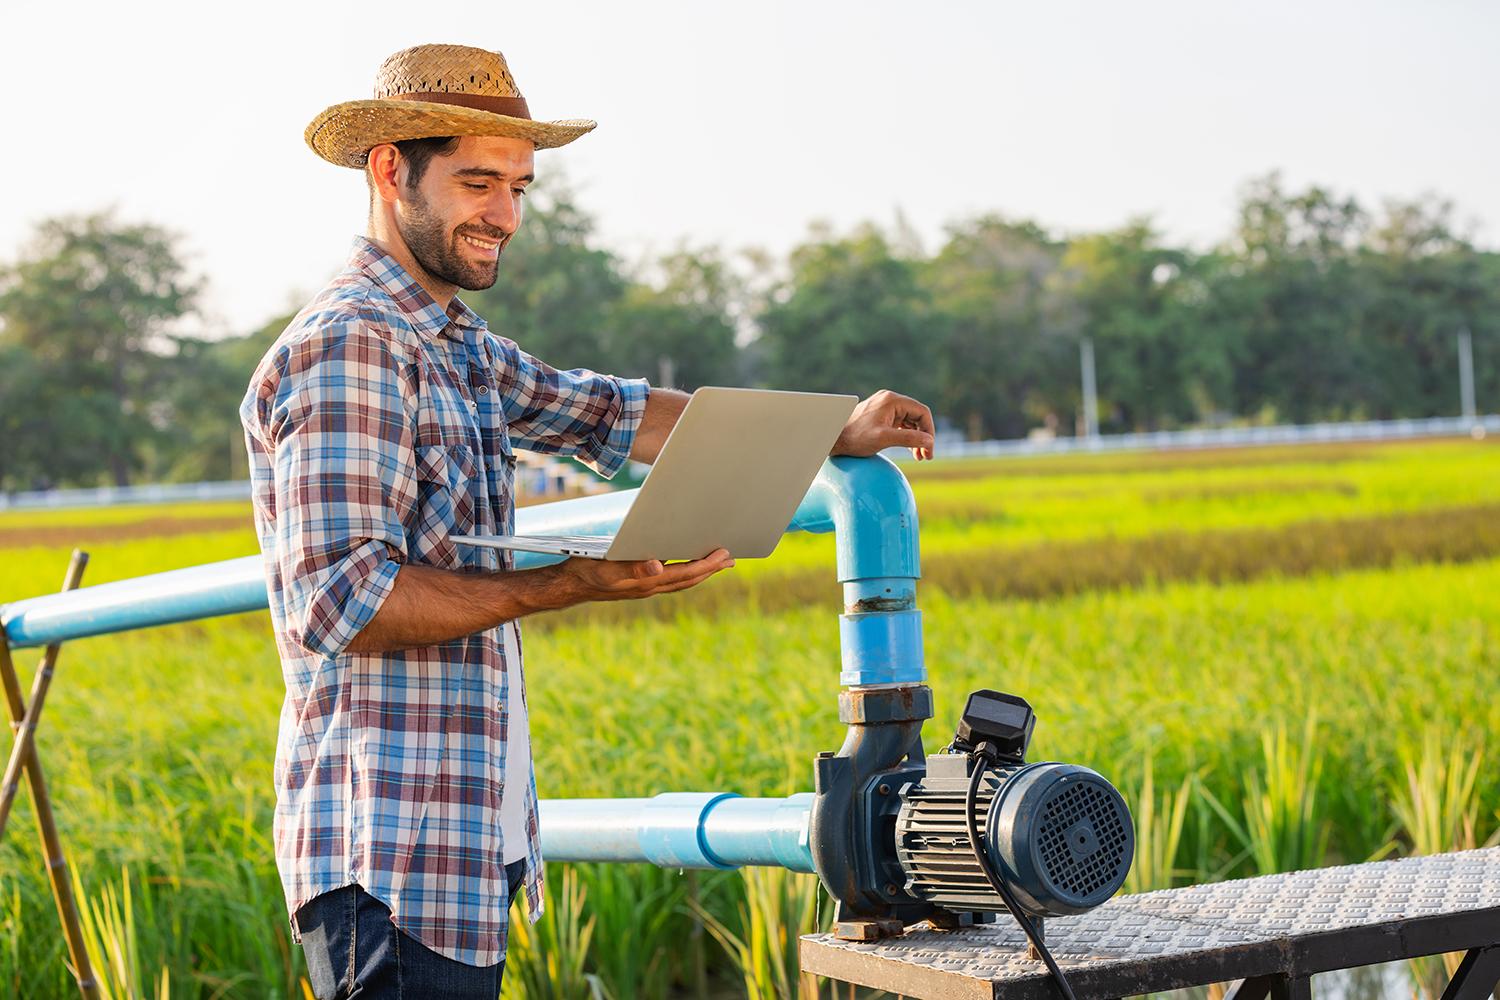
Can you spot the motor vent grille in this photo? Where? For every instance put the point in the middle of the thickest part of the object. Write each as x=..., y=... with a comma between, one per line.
x=1060, y=832
x=1083, y=842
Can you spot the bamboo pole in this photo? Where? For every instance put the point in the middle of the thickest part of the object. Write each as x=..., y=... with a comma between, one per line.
x=20, y=751
x=41, y=802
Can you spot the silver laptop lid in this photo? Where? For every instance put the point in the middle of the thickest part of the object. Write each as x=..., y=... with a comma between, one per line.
x=731, y=474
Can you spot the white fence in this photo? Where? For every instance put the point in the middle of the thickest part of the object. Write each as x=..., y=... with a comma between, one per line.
x=1233, y=437
x=1226, y=437
x=110, y=496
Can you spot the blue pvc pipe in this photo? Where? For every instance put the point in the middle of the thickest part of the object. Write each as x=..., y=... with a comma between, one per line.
x=680, y=830
x=881, y=647
x=237, y=585
x=866, y=502
x=871, y=506
x=181, y=595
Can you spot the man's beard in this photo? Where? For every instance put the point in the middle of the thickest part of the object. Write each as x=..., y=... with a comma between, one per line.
x=438, y=252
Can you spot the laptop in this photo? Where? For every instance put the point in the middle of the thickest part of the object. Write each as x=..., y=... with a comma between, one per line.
x=730, y=476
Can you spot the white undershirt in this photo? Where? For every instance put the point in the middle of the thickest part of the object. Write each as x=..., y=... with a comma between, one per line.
x=517, y=753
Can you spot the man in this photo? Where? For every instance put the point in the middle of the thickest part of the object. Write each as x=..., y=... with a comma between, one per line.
x=381, y=422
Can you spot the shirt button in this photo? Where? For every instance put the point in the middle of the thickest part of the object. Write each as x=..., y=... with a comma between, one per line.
x=483, y=389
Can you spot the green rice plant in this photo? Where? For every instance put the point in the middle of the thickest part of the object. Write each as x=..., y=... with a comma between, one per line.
x=1280, y=828
x=650, y=902
x=1074, y=505
x=1060, y=568
x=12, y=935
x=112, y=938
x=1214, y=838
x=779, y=906
x=1287, y=831
x=1142, y=462
x=1159, y=824
x=1436, y=804
x=694, y=960
x=123, y=514
x=548, y=960
x=1437, y=809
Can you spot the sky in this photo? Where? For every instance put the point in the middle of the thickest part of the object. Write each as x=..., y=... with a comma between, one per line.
x=740, y=124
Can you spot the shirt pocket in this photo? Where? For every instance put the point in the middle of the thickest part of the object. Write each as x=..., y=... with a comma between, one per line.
x=502, y=484
x=446, y=481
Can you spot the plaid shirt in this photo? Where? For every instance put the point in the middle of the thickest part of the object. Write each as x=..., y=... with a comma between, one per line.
x=377, y=425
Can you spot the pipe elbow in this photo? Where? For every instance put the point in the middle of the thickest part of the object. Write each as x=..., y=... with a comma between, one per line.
x=869, y=504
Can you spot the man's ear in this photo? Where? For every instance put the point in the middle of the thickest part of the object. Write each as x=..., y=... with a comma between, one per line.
x=384, y=168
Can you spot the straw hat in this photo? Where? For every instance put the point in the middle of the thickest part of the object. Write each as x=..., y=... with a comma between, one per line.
x=435, y=90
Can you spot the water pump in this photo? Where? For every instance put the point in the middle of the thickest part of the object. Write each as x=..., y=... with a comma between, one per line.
x=959, y=836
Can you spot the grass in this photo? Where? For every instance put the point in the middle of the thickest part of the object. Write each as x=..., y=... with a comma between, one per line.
x=1297, y=713
x=1057, y=568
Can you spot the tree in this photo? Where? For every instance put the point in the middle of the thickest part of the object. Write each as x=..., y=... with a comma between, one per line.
x=1428, y=283
x=1000, y=371
x=1299, y=296
x=851, y=318
x=91, y=302
x=1154, y=368
x=556, y=292
x=681, y=331
x=209, y=379
x=27, y=423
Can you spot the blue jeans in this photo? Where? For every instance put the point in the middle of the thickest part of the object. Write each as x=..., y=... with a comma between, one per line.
x=354, y=951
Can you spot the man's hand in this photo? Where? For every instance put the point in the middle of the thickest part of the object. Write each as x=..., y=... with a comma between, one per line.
x=887, y=420
x=429, y=605
x=603, y=580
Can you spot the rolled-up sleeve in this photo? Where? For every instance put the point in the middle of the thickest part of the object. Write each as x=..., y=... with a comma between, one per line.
x=580, y=413
x=336, y=414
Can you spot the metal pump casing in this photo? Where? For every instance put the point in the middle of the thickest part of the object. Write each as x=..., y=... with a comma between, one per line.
x=889, y=832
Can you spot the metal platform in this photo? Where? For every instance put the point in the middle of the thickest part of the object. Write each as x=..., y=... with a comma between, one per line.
x=1270, y=934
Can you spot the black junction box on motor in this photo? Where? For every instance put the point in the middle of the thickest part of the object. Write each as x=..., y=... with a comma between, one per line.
x=1002, y=720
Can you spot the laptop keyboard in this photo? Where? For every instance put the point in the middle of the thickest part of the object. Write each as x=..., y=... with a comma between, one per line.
x=590, y=543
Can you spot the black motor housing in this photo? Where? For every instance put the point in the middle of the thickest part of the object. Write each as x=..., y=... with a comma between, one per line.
x=1060, y=833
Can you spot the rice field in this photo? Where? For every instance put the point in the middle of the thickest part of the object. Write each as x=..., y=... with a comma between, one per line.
x=1285, y=657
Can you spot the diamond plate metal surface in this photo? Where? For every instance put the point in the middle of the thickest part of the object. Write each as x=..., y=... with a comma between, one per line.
x=1200, y=930
x=1326, y=899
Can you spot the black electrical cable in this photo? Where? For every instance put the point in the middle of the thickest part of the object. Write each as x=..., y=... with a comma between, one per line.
x=992, y=873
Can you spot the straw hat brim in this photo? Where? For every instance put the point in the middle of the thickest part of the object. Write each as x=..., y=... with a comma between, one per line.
x=345, y=133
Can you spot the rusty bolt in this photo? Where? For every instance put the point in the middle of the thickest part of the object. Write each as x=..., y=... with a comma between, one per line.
x=884, y=789
x=890, y=890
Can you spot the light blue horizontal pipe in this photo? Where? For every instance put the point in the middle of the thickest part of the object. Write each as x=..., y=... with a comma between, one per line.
x=874, y=522
x=236, y=585
x=680, y=830
x=179, y=595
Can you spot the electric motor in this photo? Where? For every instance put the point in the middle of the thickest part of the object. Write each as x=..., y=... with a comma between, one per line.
x=1060, y=833
x=898, y=836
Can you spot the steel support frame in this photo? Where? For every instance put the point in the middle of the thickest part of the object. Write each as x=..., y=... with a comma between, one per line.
x=1476, y=976
x=1277, y=987
x=1475, y=979
x=1241, y=934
